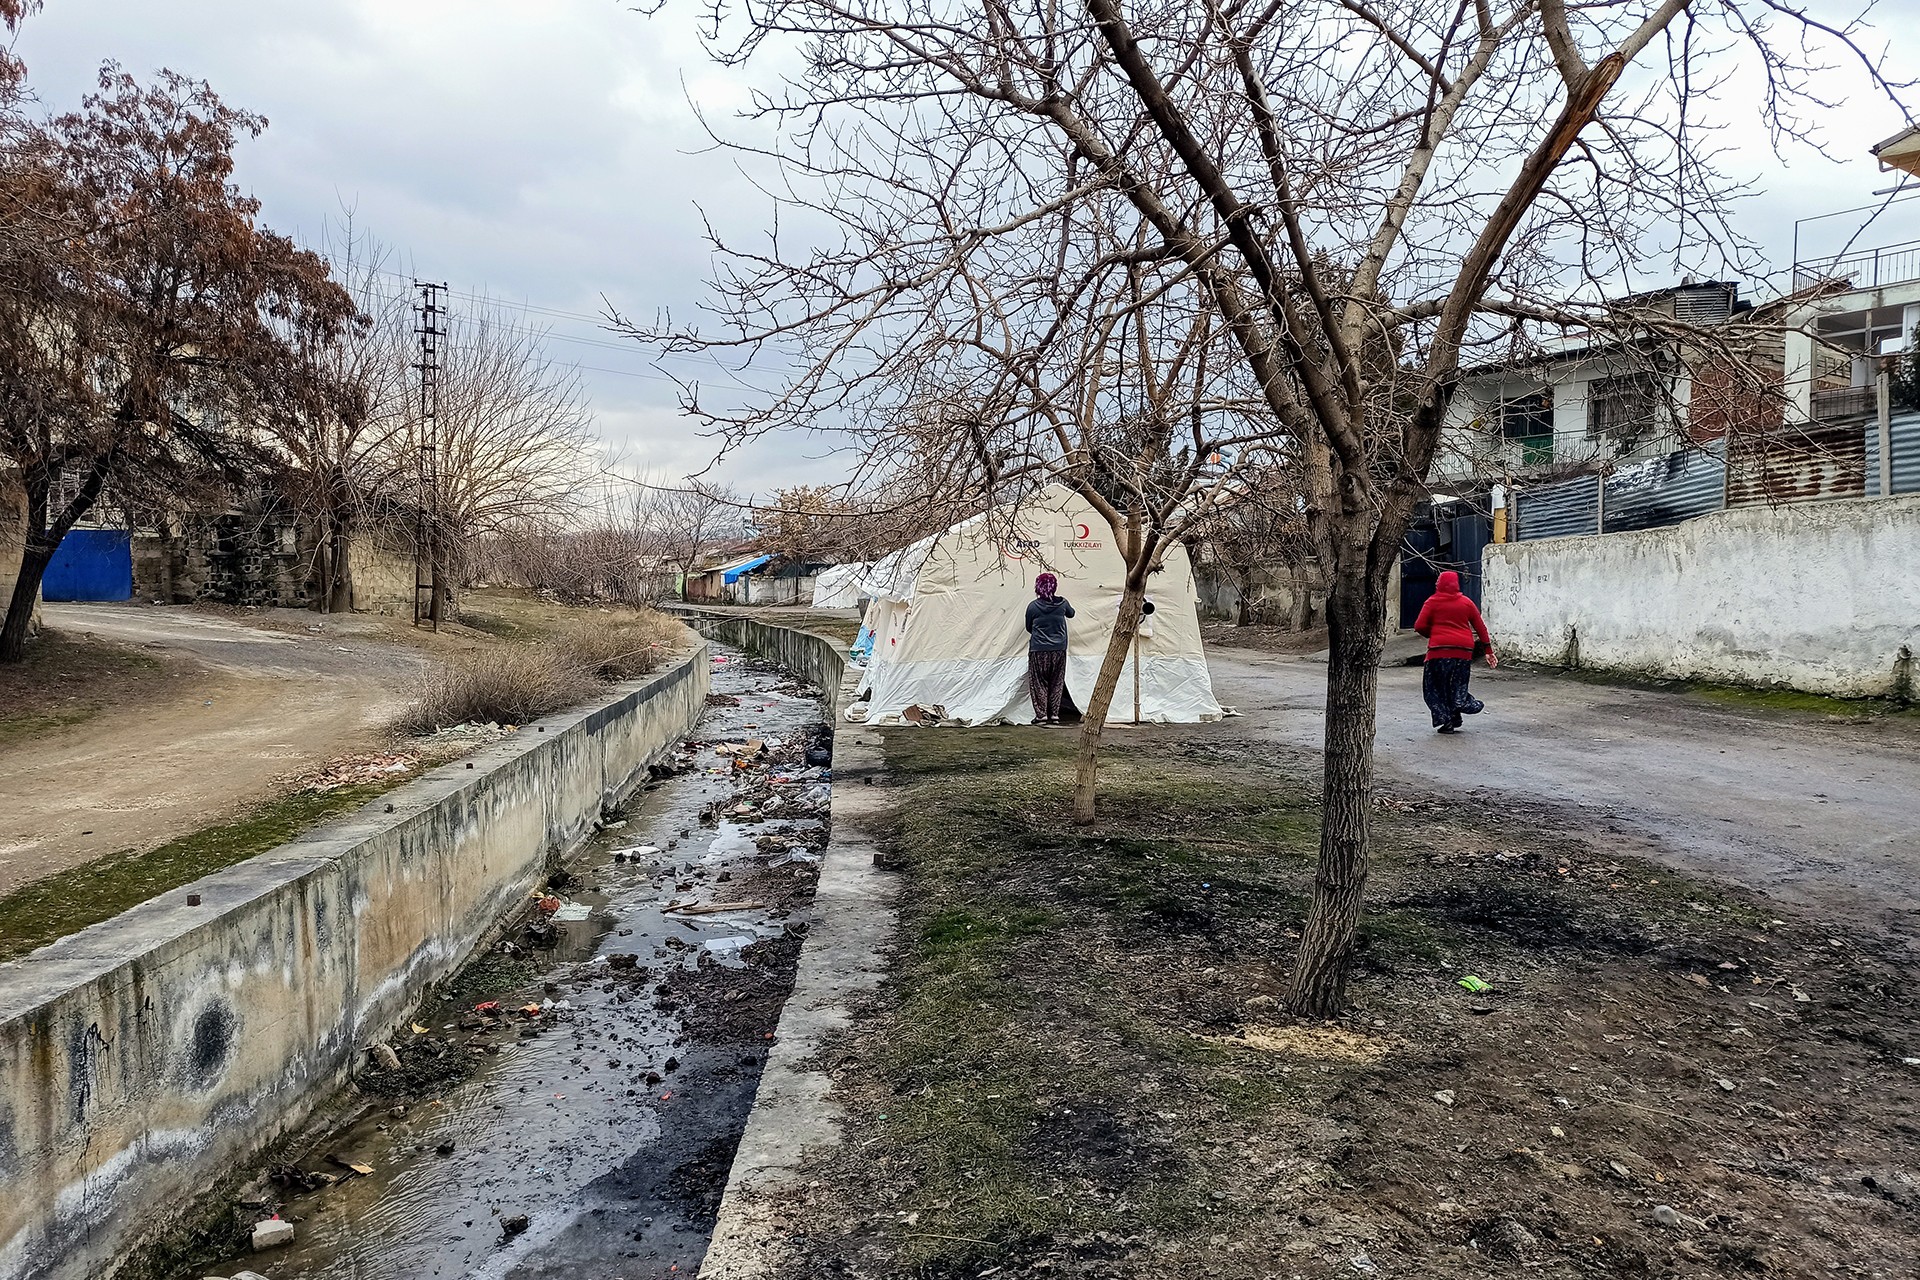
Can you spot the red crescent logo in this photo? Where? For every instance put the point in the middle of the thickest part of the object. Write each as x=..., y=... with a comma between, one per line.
x=1085, y=531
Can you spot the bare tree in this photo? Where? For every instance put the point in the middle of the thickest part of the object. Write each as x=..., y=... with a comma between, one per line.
x=616, y=547
x=337, y=422
x=1258, y=531
x=695, y=518
x=805, y=522
x=515, y=442
x=1120, y=238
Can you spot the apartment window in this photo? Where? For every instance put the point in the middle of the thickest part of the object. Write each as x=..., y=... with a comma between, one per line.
x=1624, y=410
x=1528, y=422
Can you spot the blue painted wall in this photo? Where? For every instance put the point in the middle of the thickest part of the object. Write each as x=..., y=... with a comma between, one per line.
x=91, y=564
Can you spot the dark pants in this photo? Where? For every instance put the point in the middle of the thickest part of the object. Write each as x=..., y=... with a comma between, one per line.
x=1445, y=684
x=1046, y=682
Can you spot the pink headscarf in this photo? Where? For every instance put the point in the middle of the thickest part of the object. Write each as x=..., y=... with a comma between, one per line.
x=1046, y=586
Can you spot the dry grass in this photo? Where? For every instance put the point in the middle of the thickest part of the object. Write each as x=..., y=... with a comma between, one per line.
x=624, y=647
x=512, y=683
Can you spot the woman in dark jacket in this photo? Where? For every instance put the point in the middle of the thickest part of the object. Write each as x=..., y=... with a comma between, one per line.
x=1047, y=648
x=1456, y=634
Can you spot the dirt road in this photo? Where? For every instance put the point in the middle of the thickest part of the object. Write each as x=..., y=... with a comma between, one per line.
x=252, y=706
x=1821, y=814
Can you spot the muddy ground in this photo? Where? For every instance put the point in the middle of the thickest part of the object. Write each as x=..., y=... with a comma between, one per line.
x=1079, y=1068
x=569, y=1104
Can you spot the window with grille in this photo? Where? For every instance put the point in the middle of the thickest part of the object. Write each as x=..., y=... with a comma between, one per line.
x=1624, y=410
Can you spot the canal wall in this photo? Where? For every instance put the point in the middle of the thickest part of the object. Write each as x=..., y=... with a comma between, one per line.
x=814, y=658
x=143, y=1059
x=795, y=1116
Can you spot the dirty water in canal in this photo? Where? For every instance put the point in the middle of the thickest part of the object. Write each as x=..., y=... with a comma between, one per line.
x=568, y=1106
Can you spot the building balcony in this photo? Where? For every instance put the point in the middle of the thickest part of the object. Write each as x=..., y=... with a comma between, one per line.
x=1841, y=404
x=1867, y=269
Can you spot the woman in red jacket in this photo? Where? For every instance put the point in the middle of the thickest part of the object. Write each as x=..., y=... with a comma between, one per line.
x=1456, y=634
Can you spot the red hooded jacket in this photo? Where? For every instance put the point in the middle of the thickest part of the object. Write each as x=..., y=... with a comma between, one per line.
x=1450, y=621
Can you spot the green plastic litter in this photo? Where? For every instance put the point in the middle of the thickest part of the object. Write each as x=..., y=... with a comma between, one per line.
x=1472, y=983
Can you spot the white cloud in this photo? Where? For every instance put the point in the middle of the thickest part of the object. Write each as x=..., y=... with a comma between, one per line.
x=546, y=154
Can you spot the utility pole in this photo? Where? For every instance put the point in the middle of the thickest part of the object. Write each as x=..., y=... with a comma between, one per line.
x=426, y=565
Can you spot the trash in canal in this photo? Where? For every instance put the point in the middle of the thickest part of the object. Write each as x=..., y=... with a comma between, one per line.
x=550, y=1070
x=636, y=853
x=271, y=1234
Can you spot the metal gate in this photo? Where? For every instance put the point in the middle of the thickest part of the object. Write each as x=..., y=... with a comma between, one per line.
x=91, y=564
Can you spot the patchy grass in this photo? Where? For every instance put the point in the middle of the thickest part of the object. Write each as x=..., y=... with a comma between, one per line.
x=1077, y=1067
x=513, y=613
x=1784, y=702
x=1793, y=702
x=67, y=679
x=845, y=630
x=67, y=901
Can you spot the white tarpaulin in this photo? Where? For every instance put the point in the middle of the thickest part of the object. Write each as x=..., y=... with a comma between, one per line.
x=948, y=618
x=838, y=586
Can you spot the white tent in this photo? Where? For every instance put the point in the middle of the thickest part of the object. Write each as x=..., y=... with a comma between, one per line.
x=948, y=618
x=838, y=586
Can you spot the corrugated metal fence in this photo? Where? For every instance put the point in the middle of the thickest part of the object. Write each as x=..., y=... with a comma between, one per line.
x=1643, y=495
x=1795, y=465
x=1663, y=491
x=1905, y=435
x=1556, y=510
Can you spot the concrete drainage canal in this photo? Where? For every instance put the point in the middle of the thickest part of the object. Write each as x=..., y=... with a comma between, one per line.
x=569, y=1105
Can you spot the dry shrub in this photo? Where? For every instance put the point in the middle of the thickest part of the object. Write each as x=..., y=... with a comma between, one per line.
x=504, y=685
x=512, y=684
x=621, y=647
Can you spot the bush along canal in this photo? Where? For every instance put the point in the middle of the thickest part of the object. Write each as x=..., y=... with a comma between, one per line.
x=570, y=1103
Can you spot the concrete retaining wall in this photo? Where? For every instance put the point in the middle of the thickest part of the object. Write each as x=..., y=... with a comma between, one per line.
x=1822, y=597
x=813, y=658
x=145, y=1058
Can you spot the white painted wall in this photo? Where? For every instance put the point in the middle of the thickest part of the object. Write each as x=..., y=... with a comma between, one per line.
x=1823, y=597
x=1799, y=347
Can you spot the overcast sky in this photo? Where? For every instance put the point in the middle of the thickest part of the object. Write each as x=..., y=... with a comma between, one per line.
x=545, y=153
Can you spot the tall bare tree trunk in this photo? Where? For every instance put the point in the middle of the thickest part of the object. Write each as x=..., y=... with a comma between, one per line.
x=1093, y=720
x=1355, y=621
x=44, y=535
x=26, y=593
x=339, y=555
x=1300, y=615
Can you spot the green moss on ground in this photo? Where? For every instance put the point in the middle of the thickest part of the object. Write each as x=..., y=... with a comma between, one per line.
x=1792, y=701
x=1740, y=697
x=64, y=903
